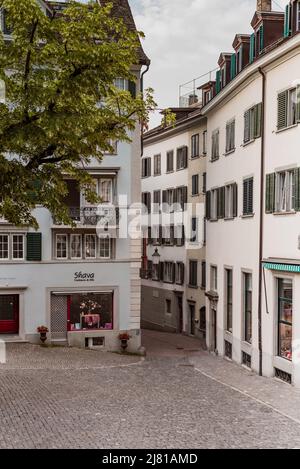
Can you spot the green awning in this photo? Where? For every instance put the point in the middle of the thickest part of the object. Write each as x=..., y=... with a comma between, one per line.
x=282, y=267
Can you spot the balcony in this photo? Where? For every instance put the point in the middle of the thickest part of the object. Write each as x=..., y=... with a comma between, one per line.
x=92, y=215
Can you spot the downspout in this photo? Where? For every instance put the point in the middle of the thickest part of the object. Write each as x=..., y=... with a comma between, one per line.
x=261, y=221
x=144, y=240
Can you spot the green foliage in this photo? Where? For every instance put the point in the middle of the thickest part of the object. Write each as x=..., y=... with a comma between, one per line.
x=62, y=108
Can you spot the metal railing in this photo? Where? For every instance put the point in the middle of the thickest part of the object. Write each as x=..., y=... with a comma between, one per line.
x=189, y=94
x=92, y=215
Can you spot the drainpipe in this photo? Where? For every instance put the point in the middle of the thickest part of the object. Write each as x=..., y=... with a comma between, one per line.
x=144, y=240
x=261, y=221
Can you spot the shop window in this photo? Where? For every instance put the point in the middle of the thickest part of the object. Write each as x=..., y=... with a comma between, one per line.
x=61, y=246
x=91, y=311
x=285, y=318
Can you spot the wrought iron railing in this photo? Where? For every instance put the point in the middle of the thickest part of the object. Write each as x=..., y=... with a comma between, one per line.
x=91, y=216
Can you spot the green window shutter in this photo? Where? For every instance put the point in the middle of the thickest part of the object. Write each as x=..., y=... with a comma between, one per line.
x=282, y=110
x=221, y=202
x=34, y=246
x=247, y=116
x=233, y=67
x=235, y=200
x=287, y=21
x=297, y=190
x=298, y=103
x=252, y=48
x=218, y=81
x=132, y=88
x=208, y=205
x=261, y=38
x=270, y=193
x=257, y=120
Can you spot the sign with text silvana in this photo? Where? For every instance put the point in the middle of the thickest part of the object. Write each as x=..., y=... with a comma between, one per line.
x=84, y=277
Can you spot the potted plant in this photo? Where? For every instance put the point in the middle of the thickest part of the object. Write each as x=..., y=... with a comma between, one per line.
x=42, y=330
x=124, y=337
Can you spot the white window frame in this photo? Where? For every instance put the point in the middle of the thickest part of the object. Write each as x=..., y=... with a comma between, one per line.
x=121, y=84
x=157, y=165
x=67, y=246
x=8, y=247
x=285, y=191
x=215, y=147
x=12, y=246
x=292, y=107
x=106, y=238
x=214, y=204
x=168, y=271
x=86, y=236
x=106, y=180
x=195, y=177
x=230, y=136
x=229, y=201
x=72, y=236
x=194, y=239
x=214, y=278
x=195, y=146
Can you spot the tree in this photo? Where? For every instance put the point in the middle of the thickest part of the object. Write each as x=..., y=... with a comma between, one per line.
x=61, y=107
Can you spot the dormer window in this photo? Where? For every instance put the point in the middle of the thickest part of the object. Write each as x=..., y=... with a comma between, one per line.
x=239, y=59
x=223, y=76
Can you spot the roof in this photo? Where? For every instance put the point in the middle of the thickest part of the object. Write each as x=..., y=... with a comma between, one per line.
x=120, y=9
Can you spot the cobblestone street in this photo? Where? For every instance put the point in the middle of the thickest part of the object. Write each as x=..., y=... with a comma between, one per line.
x=180, y=396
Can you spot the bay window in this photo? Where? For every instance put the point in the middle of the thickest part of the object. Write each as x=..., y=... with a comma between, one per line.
x=285, y=318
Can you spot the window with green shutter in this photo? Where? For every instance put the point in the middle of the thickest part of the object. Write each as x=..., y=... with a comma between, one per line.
x=298, y=101
x=287, y=21
x=34, y=246
x=261, y=38
x=270, y=193
x=208, y=205
x=232, y=66
x=218, y=81
x=248, y=196
x=252, y=48
x=257, y=120
x=297, y=190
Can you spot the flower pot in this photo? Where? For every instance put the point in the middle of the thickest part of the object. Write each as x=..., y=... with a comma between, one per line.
x=124, y=344
x=43, y=337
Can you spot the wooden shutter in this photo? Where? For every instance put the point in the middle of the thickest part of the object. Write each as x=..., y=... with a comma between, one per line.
x=208, y=205
x=298, y=103
x=164, y=197
x=297, y=189
x=173, y=272
x=248, y=196
x=287, y=21
x=247, y=117
x=132, y=88
x=261, y=38
x=185, y=157
x=257, y=120
x=218, y=81
x=270, y=193
x=282, y=110
x=34, y=246
x=235, y=200
x=150, y=241
x=185, y=195
x=161, y=271
x=221, y=202
x=232, y=66
x=252, y=48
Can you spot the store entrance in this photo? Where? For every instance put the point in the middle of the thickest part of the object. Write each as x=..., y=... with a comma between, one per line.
x=9, y=314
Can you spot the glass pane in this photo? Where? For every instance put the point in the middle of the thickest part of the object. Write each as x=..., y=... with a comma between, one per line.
x=91, y=311
x=285, y=341
x=285, y=300
x=248, y=326
x=7, y=307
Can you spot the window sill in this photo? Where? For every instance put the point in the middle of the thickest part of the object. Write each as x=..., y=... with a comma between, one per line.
x=245, y=144
x=212, y=160
x=181, y=169
x=248, y=215
x=278, y=131
x=170, y=172
x=229, y=218
x=291, y=212
x=196, y=157
x=194, y=287
x=229, y=152
x=214, y=220
x=195, y=195
x=155, y=175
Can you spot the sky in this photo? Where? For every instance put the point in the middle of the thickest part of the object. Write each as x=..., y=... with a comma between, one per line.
x=184, y=39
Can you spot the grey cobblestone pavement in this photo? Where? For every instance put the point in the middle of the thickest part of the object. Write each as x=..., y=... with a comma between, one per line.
x=126, y=402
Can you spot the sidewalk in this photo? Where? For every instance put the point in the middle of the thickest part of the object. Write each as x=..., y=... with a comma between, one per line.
x=277, y=395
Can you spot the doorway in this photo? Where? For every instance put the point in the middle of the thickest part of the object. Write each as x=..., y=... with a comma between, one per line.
x=213, y=329
x=180, y=315
x=192, y=330
x=9, y=314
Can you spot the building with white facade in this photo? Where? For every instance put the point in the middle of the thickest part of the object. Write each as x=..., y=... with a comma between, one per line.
x=173, y=167
x=252, y=253
x=84, y=287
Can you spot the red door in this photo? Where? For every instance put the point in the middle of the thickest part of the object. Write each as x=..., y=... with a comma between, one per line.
x=9, y=314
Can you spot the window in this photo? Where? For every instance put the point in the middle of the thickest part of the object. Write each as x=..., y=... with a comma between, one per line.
x=61, y=246
x=146, y=167
x=179, y=235
x=248, y=196
x=104, y=247
x=156, y=234
x=168, y=235
x=156, y=272
x=288, y=110
x=285, y=318
x=121, y=83
x=182, y=155
x=195, y=146
x=195, y=184
x=168, y=307
x=228, y=280
x=90, y=246
x=170, y=161
x=156, y=201
x=179, y=273
x=106, y=190
x=169, y=199
x=213, y=278
x=193, y=274
x=230, y=136
x=298, y=16
x=214, y=205
x=182, y=196
x=229, y=201
x=18, y=247
x=215, y=145
x=157, y=165
x=203, y=274
x=239, y=63
x=146, y=200
x=247, y=306
x=4, y=246
x=204, y=183
x=252, y=123
x=169, y=272
x=194, y=230
x=285, y=191
x=76, y=246
x=204, y=149
x=90, y=311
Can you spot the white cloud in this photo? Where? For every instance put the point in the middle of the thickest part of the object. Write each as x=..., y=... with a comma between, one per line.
x=184, y=38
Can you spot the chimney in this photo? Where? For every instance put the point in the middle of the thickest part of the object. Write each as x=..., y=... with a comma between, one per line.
x=264, y=5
